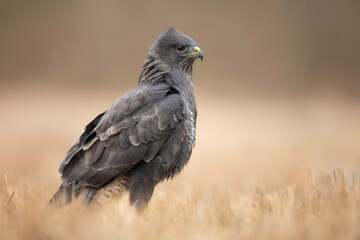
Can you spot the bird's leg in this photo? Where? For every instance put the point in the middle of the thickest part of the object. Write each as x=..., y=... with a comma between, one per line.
x=141, y=191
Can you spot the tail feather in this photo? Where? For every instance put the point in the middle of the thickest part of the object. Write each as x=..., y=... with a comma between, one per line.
x=65, y=195
x=88, y=195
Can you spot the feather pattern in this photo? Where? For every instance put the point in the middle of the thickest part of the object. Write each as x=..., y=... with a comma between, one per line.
x=144, y=137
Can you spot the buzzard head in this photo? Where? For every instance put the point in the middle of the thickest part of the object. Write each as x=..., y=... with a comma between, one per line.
x=176, y=50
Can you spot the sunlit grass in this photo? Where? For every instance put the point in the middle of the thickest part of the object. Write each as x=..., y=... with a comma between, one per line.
x=327, y=208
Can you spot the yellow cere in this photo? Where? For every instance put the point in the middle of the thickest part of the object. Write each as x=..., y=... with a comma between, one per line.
x=196, y=50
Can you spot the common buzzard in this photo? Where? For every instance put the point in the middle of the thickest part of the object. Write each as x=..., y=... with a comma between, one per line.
x=146, y=136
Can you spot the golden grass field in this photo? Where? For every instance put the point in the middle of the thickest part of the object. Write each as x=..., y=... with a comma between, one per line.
x=263, y=168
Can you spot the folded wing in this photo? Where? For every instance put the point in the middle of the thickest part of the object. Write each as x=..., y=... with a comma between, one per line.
x=135, y=128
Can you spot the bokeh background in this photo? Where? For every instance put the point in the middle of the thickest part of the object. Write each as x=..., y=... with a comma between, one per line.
x=278, y=91
x=287, y=47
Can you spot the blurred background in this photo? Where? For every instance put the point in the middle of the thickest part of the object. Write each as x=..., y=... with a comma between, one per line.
x=278, y=90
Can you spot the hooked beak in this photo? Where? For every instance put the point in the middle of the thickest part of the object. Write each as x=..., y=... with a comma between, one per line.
x=196, y=53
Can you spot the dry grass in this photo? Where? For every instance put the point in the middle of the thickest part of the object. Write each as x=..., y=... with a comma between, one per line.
x=268, y=173
x=326, y=209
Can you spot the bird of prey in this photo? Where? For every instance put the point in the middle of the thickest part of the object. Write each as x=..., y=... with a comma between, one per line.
x=144, y=137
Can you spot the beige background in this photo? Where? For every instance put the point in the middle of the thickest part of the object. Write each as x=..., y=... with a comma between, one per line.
x=279, y=84
x=278, y=98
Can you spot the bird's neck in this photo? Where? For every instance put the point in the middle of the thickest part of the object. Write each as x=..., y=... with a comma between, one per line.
x=153, y=70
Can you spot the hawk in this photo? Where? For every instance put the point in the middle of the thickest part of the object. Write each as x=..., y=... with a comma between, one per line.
x=144, y=137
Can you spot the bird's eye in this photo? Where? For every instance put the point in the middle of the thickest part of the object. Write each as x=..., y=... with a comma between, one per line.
x=180, y=48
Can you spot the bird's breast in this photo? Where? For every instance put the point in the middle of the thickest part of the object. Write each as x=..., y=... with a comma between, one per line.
x=190, y=130
x=190, y=127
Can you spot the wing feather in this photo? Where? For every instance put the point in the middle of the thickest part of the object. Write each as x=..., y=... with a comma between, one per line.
x=93, y=153
x=135, y=128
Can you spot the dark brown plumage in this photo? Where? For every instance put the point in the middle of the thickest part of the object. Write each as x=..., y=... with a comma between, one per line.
x=146, y=136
